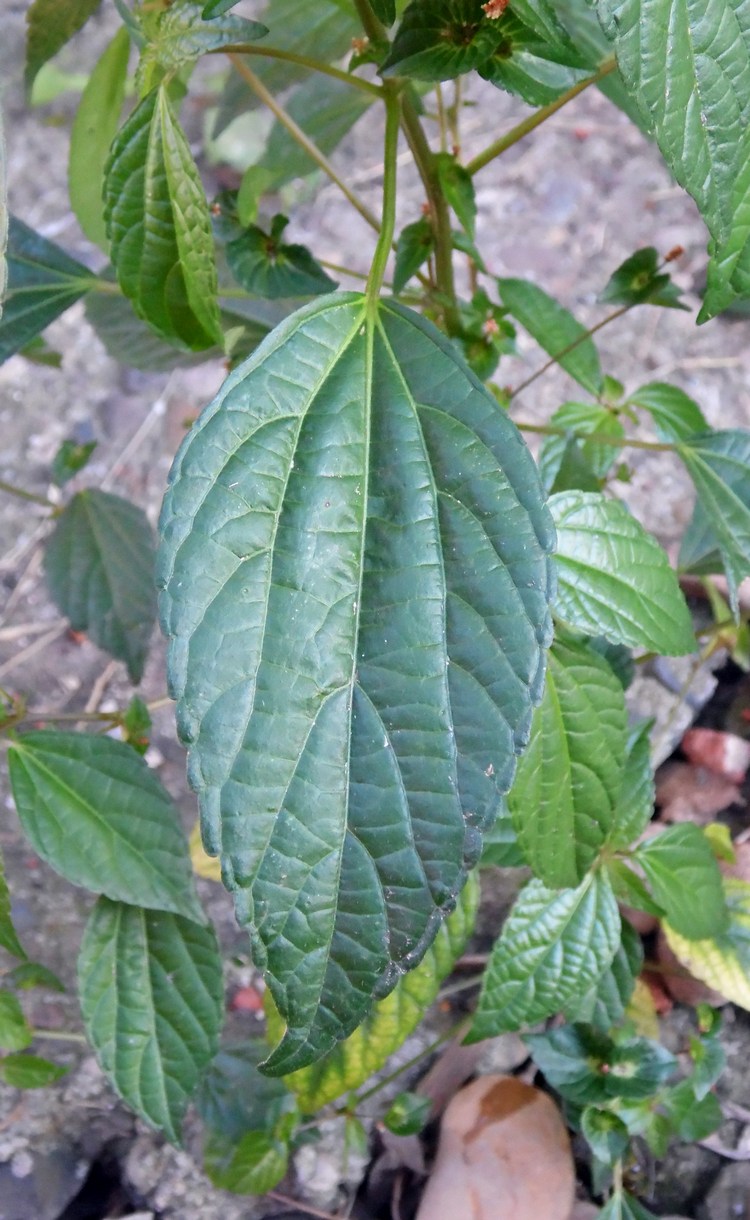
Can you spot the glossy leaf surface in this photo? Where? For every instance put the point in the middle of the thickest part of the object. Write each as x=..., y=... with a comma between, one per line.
x=635, y=803
x=93, y=810
x=441, y=39
x=266, y=266
x=675, y=414
x=723, y=961
x=571, y=462
x=99, y=565
x=719, y=465
x=356, y=580
x=151, y=993
x=684, y=877
x=181, y=32
x=43, y=281
x=555, y=329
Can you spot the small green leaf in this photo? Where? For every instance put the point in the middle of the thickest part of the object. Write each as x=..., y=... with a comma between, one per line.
x=384, y=10
x=639, y=281
x=554, y=947
x=458, y=189
x=135, y=725
x=630, y=889
x=267, y=267
x=38, y=351
x=33, y=974
x=29, y=1071
x=692, y=1118
x=501, y=843
x=555, y=330
x=587, y=1066
x=607, y=1135
x=719, y=465
x=15, y=1032
x=180, y=33
x=52, y=23
x=152, y=1000
x=94, y=129
x=8, y=935
x=685, y=880
x=569, y=779
x=635, y=803
x=441, y=39
x=70, y=458
x=92, y=809
x=407, y=1114
x=613, y=577
x=234, y=1097
x=159, y=226
x=415, y=244
x=676, y=416
x=605, y=1005
x=531, y=64
x=253, y=1166
x=99, y=565
x=709, y=1060
x=570, y=461
x=216, y=8
x=43, y=281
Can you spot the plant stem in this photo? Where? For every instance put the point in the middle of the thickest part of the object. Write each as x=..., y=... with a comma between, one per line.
x=21, y=494
x=301, y=138
x=586, y=334
x=410, y=1063
x=288, y=1201
x=534, y=120
x=615, y=442
x=314, y=65
x=93, y=717
x=383, y=248
x=58, y=1035
x=442, y=118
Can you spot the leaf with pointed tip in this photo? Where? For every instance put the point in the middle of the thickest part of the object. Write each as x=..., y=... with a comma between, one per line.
x=592, y=459
x=613, y=577
x=564, y=797
x=458, y=189
x=15, y=1031
x=441, y=39
x=181, y=32
x=94, y=129
x=554, y=947
x=356, y=585
x=623, y=1206
x=676, y=416
x=92, y=809
x=151, y=993
x=719, y=465
x=8, y=935
x=530, y=65
x=22, y=1071
x=635, y=803
x=723, y=961
x=43, y=281
x=556, y=331
x=640, y=281
x=52, y=23
x=159, y=226
x=415, y=244
x=99, y=565
x=605, y=1005
x=265, y=266
x=684, y=877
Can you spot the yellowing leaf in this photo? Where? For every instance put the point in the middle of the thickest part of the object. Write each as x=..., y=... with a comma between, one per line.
x=721, y=962
x=642, y=1011
x=203, y=864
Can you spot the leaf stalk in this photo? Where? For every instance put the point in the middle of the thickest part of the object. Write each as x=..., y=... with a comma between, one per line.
x=388, y=221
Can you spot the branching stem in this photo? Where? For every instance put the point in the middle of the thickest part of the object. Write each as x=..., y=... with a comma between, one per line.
x=614, y=442
x=586, y=334
x=313, y=65
x=21, y=494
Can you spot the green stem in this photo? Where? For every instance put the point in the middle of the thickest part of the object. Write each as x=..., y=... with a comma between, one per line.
x=301, y=138
x=453, y=1032
x=58, y=1035
x=383, y=248
x=614, y=442
x=534, y=120
x=558, y=356
x=313, y=65
x=21, y=494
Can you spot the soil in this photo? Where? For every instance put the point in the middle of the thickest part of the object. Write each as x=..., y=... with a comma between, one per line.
x=564, y=207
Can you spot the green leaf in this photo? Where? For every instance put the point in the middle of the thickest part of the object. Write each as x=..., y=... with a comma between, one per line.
x=635, y=804
x=52, y=23
x=564, y=797
x=253, y=1166
x=159, y=226
x=152, y=1000
x=582, y=25
x=676, y=416
x=29, y=1071
x=613, y=577
x=234, y=1097
x=92, y=809
x=605, y=1005
x=15, y=1032
x=99, y=565
x=407, y=1114
x=723, y=961
x=685, y=880
x=267, y=267
x=623, y=1206
x=588, y=1066
x=563, y=459
x=352, y=1062
x=692, y=1118
x=630, y=889
x=607, y=1135
x=640, y=281
x=33, y=974
x=441, y=39
x=554, y=947
x=719, y=465
x=415, y=244
x=533, y=67
x=216, y=8
x=70, y=458
x=384, y=10
x=94, y=129
x=694, y=89
x=43, y=281
x=500, y=843
x=458, y=188
x=279, y=530
x=709, y=1061
x=555, y=330
x=8, y=935
x=181, y=32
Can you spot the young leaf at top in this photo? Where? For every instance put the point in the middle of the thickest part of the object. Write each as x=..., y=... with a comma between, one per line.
x=613, y=577
x=94, y=129
x=531, y=66
x=684, y=877
x=723, y=961
x=571, y=462
x=555, y=330
x=719, y=465
x=8, y=935
x=94, y=811
x=151, y=993
x=356, y=582
x=43, y=281
x=441, y=39
x=180, y=32
x=639, y=281
x=52, y=23
x=415, y=244
x=99, y=565
x=568, y=780
x=554, y=947
x=70, y=459
x=159, y=226
x=676, y=416
x=573, y=1058
x=267, y=267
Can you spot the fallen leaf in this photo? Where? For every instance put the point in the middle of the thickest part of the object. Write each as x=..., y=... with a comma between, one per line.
x=504, y=1151
x=688, y=793
x=723, y=753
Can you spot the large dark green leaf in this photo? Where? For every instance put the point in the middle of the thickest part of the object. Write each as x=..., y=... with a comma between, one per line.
x=554, y=947
x=356, y=587
x=535, y=59
x=43, y=281
x=93, y=810
x=687, y=65
x=180, y=32
x=564, y=797
x=440, y=39
x=719, y=465
x=555, y=330
x=152, y=999
x=94, y=128
x=159, y=226
x=99, y=565
x=51, y=23
x=613, y=577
